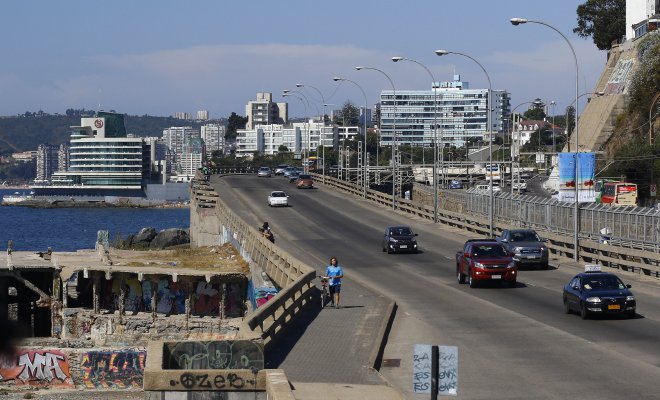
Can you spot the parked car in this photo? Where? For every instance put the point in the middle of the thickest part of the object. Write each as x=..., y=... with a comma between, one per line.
x=485, y=189
x=279, y=170
x=455, y=184
x=399, y=239
x=278, y=198
x=485, y=260
x=333, y=170
x=264, y=172
x=519, y=185
x=305, y=182
x=594, y=292
x=527, y=246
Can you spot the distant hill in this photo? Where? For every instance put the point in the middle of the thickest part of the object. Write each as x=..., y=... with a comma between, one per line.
x=22, y=133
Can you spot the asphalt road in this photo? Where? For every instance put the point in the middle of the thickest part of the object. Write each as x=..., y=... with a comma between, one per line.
x=513, y=343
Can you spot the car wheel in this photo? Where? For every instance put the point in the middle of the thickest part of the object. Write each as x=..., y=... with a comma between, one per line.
x=459, y=276
x=584, y=314
x=630, y=314
x=545, y=266
x=471, y=281
x=567, y=307
x=384, y=250
x=511, y=284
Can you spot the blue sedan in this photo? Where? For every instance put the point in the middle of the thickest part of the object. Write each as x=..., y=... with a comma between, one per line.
x=598, y=293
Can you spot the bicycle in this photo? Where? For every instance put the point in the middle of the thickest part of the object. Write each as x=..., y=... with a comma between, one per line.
x=325, y=291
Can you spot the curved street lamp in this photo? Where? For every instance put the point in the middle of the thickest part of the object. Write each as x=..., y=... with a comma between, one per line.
x=322, y=135
x=576, y=217
x=435, y=134
x=490, y=133
x=360, y=68
x=364, y=159
x=297, y=94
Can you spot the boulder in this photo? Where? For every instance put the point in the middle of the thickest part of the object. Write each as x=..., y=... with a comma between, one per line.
x=143, y=239
x=170, y=237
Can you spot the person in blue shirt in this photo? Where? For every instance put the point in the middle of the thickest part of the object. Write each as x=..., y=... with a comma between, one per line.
x=335, y=273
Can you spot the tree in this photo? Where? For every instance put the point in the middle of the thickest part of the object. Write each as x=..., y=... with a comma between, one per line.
x=603, y=20
x=349, y=115
x=282, y=149
x=234, y=122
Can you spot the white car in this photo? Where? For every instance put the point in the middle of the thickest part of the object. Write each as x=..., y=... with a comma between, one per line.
x=519, y=185
x=264, y=171
x=278, y=198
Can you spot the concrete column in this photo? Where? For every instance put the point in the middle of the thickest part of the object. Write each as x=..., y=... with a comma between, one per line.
x=189, y=287
x=96, y=292
x=4, y=299
x=154, y=298
x=56, y=306
x=223, y=301
x=122, y=298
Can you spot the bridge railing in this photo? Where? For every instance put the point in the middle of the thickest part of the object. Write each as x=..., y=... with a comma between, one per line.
x=294, y=278
x=554, y=219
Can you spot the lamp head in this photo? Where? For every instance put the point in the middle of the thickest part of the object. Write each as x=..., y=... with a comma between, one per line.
x=285, y=91
x=359, y=67
x=441, y=52
x=397, y=58
x=601, y=93
x=299, y=85
x=336, y=78
x=517, y=21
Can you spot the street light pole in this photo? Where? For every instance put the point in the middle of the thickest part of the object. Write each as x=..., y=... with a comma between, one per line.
x=364, y=159
x=322, y=130
x=306, y=150
x=490, y=133
x=576, y=216
x=435, y=135
x=359, y=68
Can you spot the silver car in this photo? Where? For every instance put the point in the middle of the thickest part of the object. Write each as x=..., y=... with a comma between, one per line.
x=264, y=172
x=526, y=245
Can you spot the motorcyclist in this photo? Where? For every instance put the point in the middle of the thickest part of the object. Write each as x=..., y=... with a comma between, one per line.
x=267, y=232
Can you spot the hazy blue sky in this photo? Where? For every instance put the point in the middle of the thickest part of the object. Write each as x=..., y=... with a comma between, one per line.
x=158, y=57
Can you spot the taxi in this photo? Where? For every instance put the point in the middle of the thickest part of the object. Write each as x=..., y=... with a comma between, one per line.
x=594, y=292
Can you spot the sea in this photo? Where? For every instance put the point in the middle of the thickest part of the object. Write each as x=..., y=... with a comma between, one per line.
x=71, y=229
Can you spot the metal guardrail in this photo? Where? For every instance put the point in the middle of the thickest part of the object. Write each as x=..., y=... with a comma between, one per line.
x=469, y=212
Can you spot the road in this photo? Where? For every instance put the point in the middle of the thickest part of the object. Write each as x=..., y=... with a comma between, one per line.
x=513, y=343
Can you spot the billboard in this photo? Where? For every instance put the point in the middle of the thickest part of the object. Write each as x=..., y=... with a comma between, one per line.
x=584, y=181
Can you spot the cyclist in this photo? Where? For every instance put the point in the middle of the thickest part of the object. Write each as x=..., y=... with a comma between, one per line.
x=335, y=273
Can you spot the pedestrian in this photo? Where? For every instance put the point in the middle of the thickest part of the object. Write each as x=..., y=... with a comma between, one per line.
x=335, y=273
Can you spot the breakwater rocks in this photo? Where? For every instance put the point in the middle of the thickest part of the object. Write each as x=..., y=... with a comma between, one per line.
x=38, y=203
x=148, y=238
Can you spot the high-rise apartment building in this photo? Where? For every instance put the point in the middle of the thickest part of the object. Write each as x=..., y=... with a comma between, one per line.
x=194, y=154
x=461, y=114
x=176, y=137
x=63, y=157
x=298, y=138
x=182, y=115
x=213, y=136
x=264, y=112
x=202, y=115
x=46, y=161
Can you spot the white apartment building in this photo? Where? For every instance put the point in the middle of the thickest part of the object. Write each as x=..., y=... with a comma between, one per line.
x=202, y=115
x=213, y=136
x=63, y=157
x=298, y=138
x=264, y=112
x=193, y=157
x=47, y=160
x=182, y=115
x=461, y=113
x=176, y=137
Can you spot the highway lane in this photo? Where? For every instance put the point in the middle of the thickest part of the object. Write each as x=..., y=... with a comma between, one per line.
x=513, y=343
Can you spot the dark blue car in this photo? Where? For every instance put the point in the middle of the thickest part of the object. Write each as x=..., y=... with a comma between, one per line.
x=455, y=184
x=598, y=293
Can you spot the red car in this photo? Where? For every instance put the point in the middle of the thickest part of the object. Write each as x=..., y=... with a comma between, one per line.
x=305, y=181
x=485, y=260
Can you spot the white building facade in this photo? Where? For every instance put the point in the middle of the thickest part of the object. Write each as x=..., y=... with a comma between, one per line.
x=461, y=114
x=298, y=138
x=264, y=111
x=213, y=136
x=175, y=138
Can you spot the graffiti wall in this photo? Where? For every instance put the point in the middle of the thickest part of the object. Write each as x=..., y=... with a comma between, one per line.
x=37, y=368
x=239, y=354
x=122, y=369
x=171, y=297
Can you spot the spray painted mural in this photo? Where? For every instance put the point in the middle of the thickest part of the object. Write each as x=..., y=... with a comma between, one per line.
x=122, y=369
x=37, y=368
x=171, y=297
x=239, y=354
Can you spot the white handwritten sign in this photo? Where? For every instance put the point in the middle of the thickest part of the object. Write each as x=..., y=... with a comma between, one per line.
x=422, y=368
x=448, y=370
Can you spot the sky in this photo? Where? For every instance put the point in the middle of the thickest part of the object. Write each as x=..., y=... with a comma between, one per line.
x=159, y=57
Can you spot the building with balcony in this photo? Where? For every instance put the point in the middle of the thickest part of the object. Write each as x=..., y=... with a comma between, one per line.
x=461, y=113
x=264, y=111
x=47, y=161
x=214, y=137
x=298, y=138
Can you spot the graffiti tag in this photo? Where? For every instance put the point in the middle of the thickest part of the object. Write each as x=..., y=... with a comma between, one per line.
x=42, y=367
x=113, y=369
x=205, y=381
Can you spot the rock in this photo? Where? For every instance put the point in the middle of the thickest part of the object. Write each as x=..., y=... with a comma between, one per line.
x=143, y=239
x=170, y=237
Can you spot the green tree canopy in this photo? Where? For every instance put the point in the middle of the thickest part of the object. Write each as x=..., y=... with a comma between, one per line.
x=349, y=115
x=603, y=20
x=234, y=122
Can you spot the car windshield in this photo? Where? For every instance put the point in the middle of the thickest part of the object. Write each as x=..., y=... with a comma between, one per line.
x=489, y=250
x=401, y=231
x=305, y=177
x=524, y=236
x=264, y=169
x=602, y=283
x=278, y=194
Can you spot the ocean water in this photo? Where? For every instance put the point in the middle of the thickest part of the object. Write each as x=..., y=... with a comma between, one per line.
x=70, y=229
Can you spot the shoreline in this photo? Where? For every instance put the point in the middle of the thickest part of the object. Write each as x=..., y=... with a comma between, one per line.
x=89, y=204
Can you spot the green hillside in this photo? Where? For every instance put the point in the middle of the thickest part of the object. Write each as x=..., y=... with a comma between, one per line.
x=22, y=133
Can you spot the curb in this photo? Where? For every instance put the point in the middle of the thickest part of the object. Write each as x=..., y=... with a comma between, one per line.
x=376, y=356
